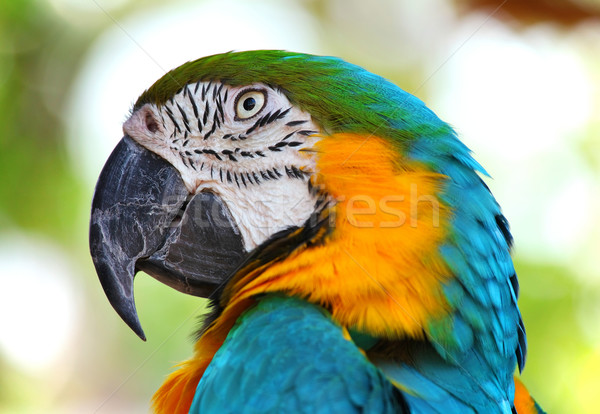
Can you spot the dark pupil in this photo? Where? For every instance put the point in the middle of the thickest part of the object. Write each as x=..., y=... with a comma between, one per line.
x=249, y=104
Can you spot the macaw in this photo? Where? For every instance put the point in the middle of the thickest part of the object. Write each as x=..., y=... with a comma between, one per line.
x=354, y=258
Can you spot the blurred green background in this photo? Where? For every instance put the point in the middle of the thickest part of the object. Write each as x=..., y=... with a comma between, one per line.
x=520, y=81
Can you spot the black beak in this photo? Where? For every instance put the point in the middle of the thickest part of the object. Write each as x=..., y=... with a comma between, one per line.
x=143, y=218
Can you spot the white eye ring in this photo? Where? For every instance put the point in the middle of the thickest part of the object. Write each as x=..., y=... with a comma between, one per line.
x=250, y=103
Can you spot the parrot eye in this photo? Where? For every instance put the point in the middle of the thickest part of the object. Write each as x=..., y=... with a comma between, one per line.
x=249, y=103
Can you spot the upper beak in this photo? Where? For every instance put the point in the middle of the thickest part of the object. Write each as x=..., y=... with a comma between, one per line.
x=143, y=218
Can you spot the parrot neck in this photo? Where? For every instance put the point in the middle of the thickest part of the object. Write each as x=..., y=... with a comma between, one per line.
x=371, y=258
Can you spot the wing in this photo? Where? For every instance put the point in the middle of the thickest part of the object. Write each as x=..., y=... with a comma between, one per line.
x=287, y=355
x=468, y=360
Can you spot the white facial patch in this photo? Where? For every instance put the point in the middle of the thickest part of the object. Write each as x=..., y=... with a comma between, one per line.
x=247, y=144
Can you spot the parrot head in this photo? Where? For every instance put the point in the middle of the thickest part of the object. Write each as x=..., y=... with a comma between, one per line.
x=331, y=175
x=210, y=167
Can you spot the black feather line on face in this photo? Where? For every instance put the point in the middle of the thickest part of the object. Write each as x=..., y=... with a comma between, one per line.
x=219, y=110
x=194, y=106
x=254, y=126
x=189, y=157
x=294, y=123
x=307, y=132
x=212, y=130
x=288, y=135
x=206, y=111
x=170, y=115
x=184, y=117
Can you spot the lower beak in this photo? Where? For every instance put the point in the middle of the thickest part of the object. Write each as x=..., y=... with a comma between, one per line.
x=143, y=218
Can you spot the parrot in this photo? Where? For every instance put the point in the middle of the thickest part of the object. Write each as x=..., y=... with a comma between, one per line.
x=354, y=259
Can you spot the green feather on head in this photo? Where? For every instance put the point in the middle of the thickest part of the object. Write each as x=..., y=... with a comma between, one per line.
x=340, y=96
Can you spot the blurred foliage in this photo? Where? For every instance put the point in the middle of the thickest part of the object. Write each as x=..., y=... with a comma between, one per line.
x=38, y=57
x=549, y=305
x=42, y=193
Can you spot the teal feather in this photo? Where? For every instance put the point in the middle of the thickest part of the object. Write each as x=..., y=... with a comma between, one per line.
x=287, y=355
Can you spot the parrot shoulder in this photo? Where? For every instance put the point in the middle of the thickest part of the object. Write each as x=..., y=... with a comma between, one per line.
x=303, y=361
